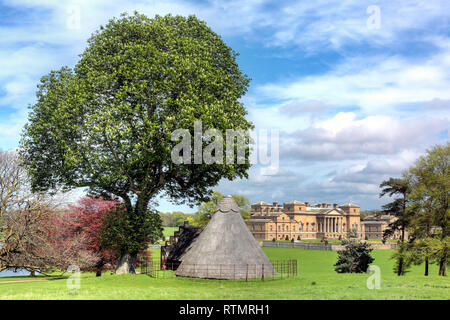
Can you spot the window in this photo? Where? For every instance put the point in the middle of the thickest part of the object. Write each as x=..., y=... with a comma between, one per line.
x=300, y=226
x=279, y=228
x=293, y=228
x=271, y=227
x=287, y=228
x=312, y=226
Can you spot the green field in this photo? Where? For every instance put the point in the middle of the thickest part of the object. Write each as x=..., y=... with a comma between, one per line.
x=316, y=280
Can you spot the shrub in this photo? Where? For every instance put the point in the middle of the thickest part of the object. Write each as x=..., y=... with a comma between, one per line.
x=273, y=239
x=287, y=238
x=299, y=238
x=355, y=258
x=292, y=240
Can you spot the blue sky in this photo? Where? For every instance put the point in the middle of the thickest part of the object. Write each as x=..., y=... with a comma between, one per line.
x=354, y=104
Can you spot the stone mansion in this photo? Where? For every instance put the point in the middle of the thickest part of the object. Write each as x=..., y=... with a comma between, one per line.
x=300, y=220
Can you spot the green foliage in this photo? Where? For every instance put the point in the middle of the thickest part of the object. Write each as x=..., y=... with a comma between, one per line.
x=207, y=209
x=130, y=233
x=355, y=258
x=107, y=125
x=438, y=251
x=400, y=187
x=429, y=206
x=403, y=259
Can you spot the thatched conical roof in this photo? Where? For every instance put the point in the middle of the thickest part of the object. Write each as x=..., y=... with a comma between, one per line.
x=225, y=249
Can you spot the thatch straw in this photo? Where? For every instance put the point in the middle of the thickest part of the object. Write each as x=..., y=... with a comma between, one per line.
x=225, y=249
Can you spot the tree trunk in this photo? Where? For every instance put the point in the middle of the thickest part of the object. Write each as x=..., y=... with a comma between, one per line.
x=442, y=267
x=127, y=262
x=98, y=273
x=400, y=267
x=32, y=273
x=402, y=240
x=426, y=266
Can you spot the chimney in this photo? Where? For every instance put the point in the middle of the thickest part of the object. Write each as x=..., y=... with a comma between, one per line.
x=328, y=205
x=275, y=204
x=324, y=205
x=335, y=205
x=307, y=203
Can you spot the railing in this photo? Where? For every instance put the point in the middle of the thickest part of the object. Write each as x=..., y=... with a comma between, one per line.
x=278, y=269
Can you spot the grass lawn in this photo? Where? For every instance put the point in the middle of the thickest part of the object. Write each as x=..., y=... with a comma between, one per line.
x=316, y=280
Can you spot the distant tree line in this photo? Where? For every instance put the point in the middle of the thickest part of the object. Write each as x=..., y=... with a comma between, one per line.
x=173, y=219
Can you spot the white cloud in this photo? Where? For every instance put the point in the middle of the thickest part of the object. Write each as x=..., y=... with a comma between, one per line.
x=345, y=137
x=376, y=84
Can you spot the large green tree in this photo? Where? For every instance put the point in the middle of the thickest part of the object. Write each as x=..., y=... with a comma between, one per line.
x=107, y=124
x=399, y=187
x=430, y=181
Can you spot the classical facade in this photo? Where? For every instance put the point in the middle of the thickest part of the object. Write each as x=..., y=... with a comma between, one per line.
x=300, y=220
x=373, y=227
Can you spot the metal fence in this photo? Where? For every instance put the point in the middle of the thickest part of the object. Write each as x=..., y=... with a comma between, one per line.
x=279, y=269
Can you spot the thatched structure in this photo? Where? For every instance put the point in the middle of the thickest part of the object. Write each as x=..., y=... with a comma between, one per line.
x=225, y=249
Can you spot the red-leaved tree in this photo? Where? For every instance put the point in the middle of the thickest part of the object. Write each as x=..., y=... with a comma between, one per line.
x=86, y=220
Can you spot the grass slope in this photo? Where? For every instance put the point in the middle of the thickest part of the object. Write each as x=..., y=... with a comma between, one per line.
x=316, y=280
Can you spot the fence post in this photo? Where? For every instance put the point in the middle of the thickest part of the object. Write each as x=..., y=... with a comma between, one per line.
x=262, y=272
x=246, y=274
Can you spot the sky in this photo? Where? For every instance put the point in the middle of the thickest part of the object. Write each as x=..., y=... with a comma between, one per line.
x=357, y=90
